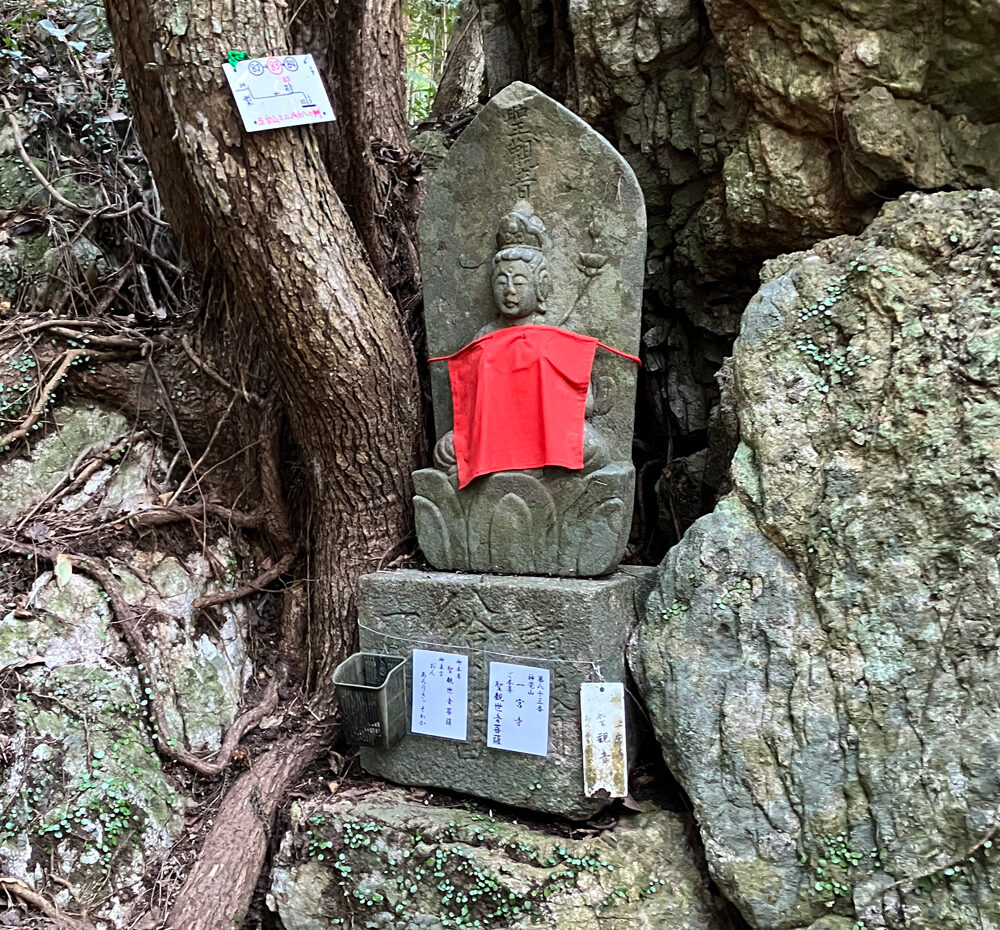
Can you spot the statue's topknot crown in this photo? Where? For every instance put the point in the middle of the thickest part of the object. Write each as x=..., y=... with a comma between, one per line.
x=522, y=228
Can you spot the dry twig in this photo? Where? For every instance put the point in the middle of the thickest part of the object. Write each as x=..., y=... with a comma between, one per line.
x=42, y=400
x=988, y=837
x=43, y=397
x=99, y=213
x=215, y=376
x=74, y=480
x=258, y=584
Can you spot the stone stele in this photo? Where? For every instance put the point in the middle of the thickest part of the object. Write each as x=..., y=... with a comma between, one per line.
x=576, y=628
x=528, y=172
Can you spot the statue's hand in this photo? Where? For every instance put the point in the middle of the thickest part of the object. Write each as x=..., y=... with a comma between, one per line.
x=444, y=453
x=596, y=453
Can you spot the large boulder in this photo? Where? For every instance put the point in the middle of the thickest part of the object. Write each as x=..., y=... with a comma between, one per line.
x=755, y=127
x=389, y=860
x=820, y=658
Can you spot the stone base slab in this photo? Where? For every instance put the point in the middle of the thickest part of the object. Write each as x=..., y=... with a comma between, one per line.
x=585, y=623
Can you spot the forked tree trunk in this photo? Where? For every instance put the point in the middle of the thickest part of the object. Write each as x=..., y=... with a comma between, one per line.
x=359, y=49
x=261, y=210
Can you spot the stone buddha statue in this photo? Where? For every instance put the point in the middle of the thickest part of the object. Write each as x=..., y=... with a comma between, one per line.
x=521, y=284
x=532, y=240
x=522, y=521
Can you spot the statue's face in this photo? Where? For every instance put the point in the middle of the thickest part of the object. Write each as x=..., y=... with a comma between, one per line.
x=514, y=289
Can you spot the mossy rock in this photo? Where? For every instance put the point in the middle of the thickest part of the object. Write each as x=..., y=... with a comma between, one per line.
x=385, y=860
x=85, y=789
x=819, y=658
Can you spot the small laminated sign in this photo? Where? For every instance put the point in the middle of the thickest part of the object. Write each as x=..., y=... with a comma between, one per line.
x=605, y=761
x=272, y=93
x=519, y=709
x=440, y=694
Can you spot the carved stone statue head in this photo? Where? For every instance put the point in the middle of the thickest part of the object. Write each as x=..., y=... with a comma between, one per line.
x=521, y=282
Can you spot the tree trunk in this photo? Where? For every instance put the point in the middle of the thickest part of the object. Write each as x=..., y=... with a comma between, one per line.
x=260, y=212
x=218, y=889
x=530, y=40
x=259, y=209
x=359, y=50
x=501, y=30
x=463, y=66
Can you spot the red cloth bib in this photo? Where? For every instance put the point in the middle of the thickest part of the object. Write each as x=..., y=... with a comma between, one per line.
x=519, y=396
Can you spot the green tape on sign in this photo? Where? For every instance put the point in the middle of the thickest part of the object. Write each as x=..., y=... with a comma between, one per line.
x=233, y=57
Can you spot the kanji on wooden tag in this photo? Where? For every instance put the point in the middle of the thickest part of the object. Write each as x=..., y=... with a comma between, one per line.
x=605, y=759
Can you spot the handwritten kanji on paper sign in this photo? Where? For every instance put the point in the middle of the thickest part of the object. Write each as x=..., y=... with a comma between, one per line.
x=272, y=93
x=440, y=694
x=602, y=717
x=518, y=709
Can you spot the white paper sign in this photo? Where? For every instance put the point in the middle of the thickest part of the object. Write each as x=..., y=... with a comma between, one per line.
x=605, y=761
x=519, y=709
x=440, y=694
x=272, y=93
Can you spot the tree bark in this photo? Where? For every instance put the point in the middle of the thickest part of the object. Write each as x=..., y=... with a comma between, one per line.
x=219, y=887
x=530, y=40
x=501, y=30
x=463, y=65
x=261, y=210
x=359, y=49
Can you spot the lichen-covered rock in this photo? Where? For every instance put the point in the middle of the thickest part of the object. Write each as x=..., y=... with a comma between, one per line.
x=385, y=861
x=78, y=430
x=84, y=797
x=820, y=657
x=888, y=92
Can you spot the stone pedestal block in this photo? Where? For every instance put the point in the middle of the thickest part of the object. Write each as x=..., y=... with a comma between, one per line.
x=576, y=628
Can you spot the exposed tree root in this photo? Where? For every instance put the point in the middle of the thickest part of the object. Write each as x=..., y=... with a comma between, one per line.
x=68, y=327
x=218, y=889
x=28, y=895
x=258, y=584
x=158, y=516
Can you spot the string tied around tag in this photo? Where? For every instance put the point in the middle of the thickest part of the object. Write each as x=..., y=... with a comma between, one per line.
x=594, y=667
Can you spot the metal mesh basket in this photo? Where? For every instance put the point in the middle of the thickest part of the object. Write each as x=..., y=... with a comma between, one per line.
x=371, y=691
